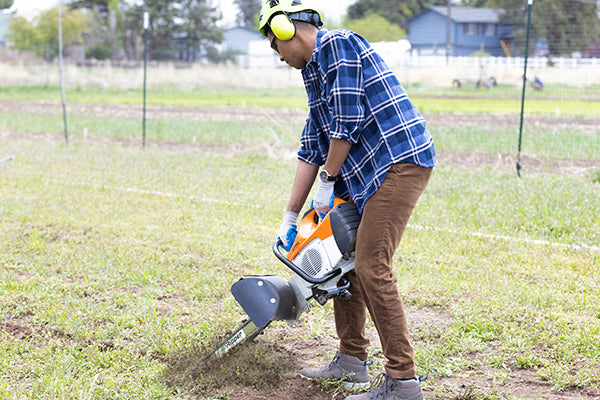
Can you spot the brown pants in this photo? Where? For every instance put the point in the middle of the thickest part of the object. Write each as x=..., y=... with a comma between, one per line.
x=372, y=282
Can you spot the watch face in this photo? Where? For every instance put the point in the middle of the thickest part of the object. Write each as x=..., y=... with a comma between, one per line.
x=325, y=177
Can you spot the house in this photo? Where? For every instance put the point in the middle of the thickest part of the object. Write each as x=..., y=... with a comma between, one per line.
x=251, y=48
x=471, y=30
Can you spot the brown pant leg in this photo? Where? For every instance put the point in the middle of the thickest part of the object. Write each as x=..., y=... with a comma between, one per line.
x=374, y=284
x=350, y=318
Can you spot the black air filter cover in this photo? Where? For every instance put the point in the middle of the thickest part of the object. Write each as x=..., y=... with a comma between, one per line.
x=344, y=225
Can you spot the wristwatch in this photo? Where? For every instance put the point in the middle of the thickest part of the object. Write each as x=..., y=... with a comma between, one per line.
x=325, y=177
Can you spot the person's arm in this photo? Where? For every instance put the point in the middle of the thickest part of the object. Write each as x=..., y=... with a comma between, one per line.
x=338, y=152
x=305, y=177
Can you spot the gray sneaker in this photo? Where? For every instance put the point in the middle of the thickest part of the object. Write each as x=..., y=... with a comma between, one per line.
x=349, y=369
x=385, y=387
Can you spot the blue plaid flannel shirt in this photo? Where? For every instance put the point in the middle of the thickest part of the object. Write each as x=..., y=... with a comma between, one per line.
x=354, y=96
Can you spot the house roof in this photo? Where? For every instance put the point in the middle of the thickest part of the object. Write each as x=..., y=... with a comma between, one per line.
x=468, y=14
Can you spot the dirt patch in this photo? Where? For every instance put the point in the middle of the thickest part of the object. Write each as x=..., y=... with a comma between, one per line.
x=249, y=372
x=519, y=384
x=268, y=367
x=21, y=330
x=280, y=116
x=531, y=165
x=285, y=116
x=16, y=329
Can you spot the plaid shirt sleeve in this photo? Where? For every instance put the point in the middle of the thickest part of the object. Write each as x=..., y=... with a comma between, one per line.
x=354, y=96
x=344, y=88
x=335, y=89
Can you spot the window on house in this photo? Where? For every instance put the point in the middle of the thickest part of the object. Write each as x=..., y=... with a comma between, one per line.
x=470, y=28
x=490, y=29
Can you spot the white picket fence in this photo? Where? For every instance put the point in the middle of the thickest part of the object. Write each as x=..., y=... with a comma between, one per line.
x=415, y=60
x=442, y=71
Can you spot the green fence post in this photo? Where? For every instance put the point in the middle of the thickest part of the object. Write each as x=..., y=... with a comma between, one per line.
x=529, y=4
x=60, y=69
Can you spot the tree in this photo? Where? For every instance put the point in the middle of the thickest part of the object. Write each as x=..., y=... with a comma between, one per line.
x=160, y=33
x=396, y=12
x=101, y=6
x=178, y=29
x=41, y=35
x=4, y=4
x=569, y=26
x=199, y=28
x=104, y=37
x=23, y=35
x=101, y=42
x=248, y=12
x=375, y=28
x=472, y=3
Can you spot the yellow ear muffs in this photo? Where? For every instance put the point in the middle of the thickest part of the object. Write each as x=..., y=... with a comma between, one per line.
x=282, y=27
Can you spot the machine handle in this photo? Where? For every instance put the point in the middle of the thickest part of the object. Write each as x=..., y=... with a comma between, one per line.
x=297, y=270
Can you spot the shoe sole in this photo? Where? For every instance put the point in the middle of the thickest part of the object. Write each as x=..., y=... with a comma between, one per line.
x=347, y=385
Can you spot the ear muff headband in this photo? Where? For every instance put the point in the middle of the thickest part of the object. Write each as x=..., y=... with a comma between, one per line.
x=282, y=27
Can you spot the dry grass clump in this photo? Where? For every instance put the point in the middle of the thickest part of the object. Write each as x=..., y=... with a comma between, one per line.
x=167, y=74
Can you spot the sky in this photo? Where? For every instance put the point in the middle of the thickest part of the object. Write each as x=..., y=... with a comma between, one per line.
x=332, y=9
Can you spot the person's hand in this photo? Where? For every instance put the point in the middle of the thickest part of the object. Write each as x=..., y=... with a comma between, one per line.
x=323, y=200
x=288, y=230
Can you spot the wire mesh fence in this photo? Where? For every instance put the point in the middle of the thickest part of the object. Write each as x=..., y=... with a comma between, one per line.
x=564, y=53
x=562, y=77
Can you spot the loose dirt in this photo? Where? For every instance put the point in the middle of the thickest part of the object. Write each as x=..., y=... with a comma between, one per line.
x=245, y=375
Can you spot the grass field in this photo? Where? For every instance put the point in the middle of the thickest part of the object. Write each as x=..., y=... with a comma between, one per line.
x=501, y=100
x=116, y=262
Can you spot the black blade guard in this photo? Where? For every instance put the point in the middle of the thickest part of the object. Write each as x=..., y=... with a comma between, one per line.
x=265, y=298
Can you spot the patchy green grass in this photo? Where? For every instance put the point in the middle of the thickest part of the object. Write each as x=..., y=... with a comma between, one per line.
x=163, y=95
x=116, y=262
x=430, y=100
x=549, y=143
x=176, y=130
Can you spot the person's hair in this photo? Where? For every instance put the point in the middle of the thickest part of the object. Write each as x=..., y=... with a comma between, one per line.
x=267, y=29
x=304, y=25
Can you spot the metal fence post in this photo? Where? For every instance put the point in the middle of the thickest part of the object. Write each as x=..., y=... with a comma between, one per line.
x=146, y=25
x=529, y=4
x=60, y=68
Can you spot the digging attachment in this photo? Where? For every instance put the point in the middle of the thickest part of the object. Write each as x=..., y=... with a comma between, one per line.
x=264, y=298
